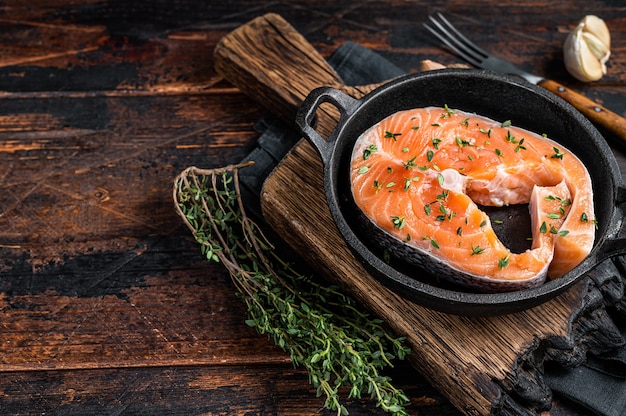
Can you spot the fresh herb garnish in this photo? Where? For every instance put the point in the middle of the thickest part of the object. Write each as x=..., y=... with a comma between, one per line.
x=504, y=262
x=487, y=132
x=410, y=164
x=369, y=150
x=390, y=135
x=557, y=153
x=320, y=327
x=449, y=112
x=398, y=222
x=477, y=250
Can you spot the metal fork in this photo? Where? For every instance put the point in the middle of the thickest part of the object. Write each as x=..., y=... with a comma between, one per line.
x=443, y=30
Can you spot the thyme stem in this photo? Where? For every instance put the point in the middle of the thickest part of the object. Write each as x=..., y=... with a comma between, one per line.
x=321, y=329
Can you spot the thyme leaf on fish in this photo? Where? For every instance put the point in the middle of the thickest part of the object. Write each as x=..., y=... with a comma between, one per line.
x=364, y=169
x=585, y=219
x=462, y=142
x=436, y=142
x=487, y=132
x=342, y=348
x=440, y=179
x=427, y=209
x=415, y=128
x=520, y=146
x=544, y=228
x=561, y=233
x=557, y=153
x=390, y=135
x=477, y=249
x=369, y=150
x=410, y=164
x=510, y=138
x=433, y=242
x=443, y=195
x=499, y=153
x=398, y=222
x=378, y=185
x=407, y=182
x=448, y=111
x=506, y=123
x=465, y=122
x=429, y=155
x=504, y=262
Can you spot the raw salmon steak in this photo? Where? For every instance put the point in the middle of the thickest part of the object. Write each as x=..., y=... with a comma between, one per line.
x=421, y=176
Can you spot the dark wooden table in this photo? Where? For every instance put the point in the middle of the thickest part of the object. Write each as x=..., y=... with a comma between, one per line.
x=106, y=305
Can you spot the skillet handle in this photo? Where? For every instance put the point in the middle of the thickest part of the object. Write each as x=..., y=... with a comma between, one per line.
x=616, y=246
x=306, y=117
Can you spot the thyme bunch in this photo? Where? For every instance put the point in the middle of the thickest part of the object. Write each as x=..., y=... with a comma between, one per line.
x=341, y=347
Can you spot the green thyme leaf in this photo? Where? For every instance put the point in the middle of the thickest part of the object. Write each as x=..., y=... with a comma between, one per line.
x=369, y=150
x=557, y=153
x=503, y=262
x=390, y=135
x=477, y=250
x=398, y=222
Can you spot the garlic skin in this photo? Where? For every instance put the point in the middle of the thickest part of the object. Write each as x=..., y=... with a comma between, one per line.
x=587, y=49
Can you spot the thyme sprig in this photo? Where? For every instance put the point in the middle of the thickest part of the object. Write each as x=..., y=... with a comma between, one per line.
x=321, y=328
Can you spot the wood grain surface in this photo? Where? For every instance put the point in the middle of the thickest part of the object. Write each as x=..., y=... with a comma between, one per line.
x=106, y=305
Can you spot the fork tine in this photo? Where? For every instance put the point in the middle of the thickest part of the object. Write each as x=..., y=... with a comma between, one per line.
x=455, y=40
x=469, y=58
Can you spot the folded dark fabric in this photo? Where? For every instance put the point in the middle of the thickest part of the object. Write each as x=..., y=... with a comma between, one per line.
x=599, y=384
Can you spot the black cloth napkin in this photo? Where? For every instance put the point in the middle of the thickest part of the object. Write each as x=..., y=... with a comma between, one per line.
x=599, y=385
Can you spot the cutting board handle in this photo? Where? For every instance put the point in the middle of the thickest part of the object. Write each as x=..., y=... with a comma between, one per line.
x=273, y=63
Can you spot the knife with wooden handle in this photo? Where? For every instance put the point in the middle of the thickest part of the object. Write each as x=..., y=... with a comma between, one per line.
x=599, y=115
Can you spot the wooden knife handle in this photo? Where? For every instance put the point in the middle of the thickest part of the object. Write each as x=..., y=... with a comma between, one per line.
x=599, y=115
x=271, y=62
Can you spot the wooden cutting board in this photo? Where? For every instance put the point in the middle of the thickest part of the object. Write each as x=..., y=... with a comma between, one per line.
x=484, y=365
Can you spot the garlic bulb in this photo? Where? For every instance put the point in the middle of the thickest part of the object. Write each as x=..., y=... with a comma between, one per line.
x=587, y=49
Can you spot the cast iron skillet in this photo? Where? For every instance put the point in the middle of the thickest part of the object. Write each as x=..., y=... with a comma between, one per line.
x=500, y=98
